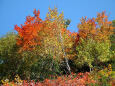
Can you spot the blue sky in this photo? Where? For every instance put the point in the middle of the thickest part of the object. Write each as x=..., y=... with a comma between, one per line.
x=14, y=12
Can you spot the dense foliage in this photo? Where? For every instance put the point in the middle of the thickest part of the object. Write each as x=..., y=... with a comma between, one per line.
x=45, y=48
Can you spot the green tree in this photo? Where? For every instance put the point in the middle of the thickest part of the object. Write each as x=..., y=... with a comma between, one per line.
x=94, y=44
x=112, y=37
x=92, y=52
x=9, y=57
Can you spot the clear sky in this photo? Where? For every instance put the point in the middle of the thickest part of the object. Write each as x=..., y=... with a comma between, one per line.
x=14, y=12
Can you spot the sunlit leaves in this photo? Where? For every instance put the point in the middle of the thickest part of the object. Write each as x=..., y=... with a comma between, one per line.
x=28, y=33
x=93, y=41
x=98, y=28
x=90, y=51
x=51, y=37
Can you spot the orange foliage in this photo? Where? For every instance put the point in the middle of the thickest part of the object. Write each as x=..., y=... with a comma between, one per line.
x=50, y=34
x=82, y=79
x=97, y=28
x=28, y=33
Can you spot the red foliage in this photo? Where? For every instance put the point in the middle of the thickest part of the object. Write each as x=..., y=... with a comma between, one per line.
x=82, y=79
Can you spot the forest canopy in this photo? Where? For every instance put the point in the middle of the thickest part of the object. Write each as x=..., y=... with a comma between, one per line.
x=46, y=47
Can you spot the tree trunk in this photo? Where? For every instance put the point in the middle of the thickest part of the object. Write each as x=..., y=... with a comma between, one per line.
x=66, y=59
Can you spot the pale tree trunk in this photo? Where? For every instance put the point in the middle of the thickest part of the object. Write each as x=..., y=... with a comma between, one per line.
x=65, y=56
x=90, y=69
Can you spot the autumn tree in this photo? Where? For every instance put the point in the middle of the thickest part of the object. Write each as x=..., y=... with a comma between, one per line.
x=94, y=44
x=98, y=28
x=28, y=33
x=57, y=39
x=47, y=37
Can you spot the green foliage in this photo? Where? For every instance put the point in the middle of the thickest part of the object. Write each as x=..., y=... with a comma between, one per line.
x=28, y=65
x=36, y=67
x=47, y=48
x=91, y=52
x=67, y=22
x=112, y=37
x=44, y=68
x=8, y=55
x=113, y=23
x=103, y=77
x=13, y=62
